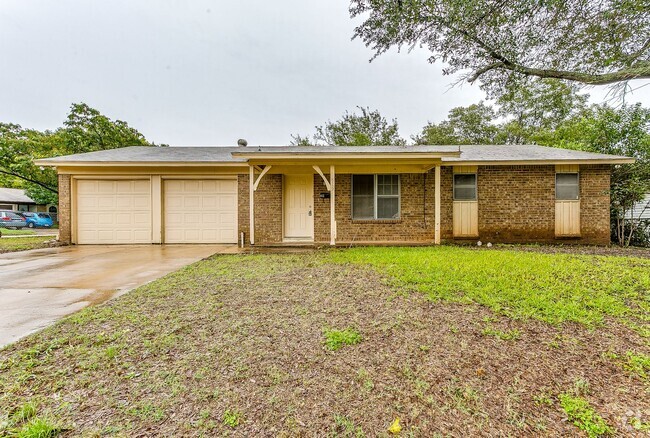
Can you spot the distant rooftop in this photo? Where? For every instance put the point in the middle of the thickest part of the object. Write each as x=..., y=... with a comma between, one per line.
x=234, y=155
x=14, y=196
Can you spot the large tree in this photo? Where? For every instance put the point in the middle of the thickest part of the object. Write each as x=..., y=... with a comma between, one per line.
x=502, y=43
x=369, y=128
x=85, y=130
x=474, y=124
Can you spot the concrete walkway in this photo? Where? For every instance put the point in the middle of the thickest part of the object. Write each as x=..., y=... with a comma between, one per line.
x=38, y=287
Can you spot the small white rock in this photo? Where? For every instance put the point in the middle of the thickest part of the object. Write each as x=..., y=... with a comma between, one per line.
x=489, y=245
x=479, y=243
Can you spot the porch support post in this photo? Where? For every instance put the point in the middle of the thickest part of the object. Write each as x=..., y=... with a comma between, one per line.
x=332, y=206
x=251, y=204
x=437, y=206
x=259, y=178
x=320, y=172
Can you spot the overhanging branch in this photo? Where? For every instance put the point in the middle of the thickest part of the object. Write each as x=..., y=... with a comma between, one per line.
x=626, y=74
x=24, y=178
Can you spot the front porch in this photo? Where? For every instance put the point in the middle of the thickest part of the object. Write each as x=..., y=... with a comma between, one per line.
x=301, y=205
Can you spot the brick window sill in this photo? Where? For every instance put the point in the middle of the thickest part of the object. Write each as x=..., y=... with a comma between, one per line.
x=376, y=221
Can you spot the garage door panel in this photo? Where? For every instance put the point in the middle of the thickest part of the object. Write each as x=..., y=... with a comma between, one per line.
x=174, y=202
x=227, y=219
x=200, y=211
x=87, y=201
x=113, y=212
x=210, y=201
x=105, y=187
x=142, y=186
x=227, y=201
x=192, y=186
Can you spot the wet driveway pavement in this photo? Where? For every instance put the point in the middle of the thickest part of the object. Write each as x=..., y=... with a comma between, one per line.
x=40, y=286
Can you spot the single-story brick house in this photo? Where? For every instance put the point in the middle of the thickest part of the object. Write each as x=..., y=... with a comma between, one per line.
x=334, y=195
x=17, y=200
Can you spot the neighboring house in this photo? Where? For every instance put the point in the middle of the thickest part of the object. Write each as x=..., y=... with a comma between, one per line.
x=17, y=200
x=641, y=210
x=335, y=195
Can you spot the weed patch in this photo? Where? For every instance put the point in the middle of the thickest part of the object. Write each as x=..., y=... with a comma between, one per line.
x=581, y=414
x=510, y=335
x=231, y=418
x=335, y=339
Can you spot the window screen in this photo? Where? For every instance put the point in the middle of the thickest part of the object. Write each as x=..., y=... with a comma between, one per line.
x=363, y=197
x=465, y=187
x=375, y=196
x=567, y=187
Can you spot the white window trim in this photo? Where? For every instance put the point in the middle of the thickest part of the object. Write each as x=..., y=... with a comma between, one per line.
x=578, y=183
x=475, y=187
x=376, y=196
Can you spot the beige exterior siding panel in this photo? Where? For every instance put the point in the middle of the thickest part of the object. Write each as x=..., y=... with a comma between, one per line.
x=465, y=218
x=567, y=218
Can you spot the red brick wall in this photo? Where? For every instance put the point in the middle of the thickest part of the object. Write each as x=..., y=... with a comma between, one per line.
x=594, y=203
x=414, y=224
x=446, y=203
x=322, y=209
x=64, y=217
x=516, y=204
x=268, y=209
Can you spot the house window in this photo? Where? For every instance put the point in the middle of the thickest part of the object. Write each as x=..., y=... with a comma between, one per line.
x=567, y=187
x=375, y=196
x=465, y=187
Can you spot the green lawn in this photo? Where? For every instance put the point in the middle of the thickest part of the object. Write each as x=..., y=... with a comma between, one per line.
x=549, y=287
x=451, y=341
x=11, y=244
x=12, y=232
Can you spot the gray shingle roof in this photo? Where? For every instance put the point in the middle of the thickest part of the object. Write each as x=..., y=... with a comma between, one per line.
x=525, y=153
x=147, y=154
x=468, y=153
x=436, y=149
x=14, y=196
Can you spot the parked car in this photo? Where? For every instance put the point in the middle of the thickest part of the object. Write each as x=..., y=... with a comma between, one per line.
x=9, y=219
x=37, y=219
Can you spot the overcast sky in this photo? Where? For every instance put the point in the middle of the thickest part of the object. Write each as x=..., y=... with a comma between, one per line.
x=204, y=72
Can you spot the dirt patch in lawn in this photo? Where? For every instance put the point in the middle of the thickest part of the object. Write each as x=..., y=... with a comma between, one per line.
x=235, y=344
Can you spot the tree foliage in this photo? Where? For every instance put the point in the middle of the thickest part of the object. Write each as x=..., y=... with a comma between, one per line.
x=85, y=130
x=620, y=131
x=369, y=128
x=521, y=116
x=502, y=43
x=464, y=125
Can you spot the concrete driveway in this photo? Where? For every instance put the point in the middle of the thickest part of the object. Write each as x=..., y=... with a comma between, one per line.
x=40, y=286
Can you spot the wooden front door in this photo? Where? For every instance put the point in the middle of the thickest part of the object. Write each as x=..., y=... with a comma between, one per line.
x=299, y=207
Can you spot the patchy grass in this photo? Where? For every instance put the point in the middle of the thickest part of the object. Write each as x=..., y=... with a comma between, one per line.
x=509, y=335
x=636, y=363
x=580, y=412
x=335, y=339
x=553, y=288
x=24, y=423
x=11, y=244
x=235, y=345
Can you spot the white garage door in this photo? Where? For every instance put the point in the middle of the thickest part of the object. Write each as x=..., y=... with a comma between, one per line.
x=200, y=211
x=117, y=211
